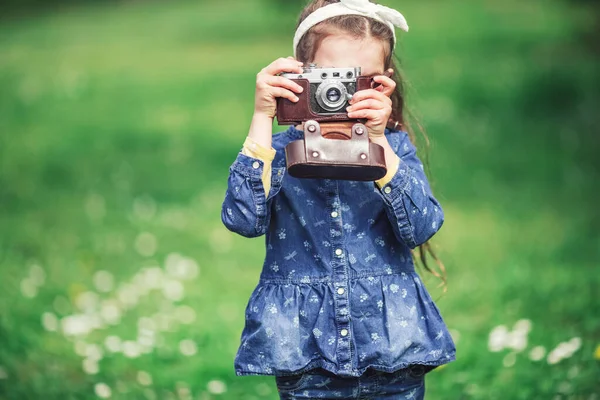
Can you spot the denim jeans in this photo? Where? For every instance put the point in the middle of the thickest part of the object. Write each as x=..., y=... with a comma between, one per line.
x=407, y=383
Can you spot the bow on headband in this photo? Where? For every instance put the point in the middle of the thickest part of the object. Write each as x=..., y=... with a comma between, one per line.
x=364, y=8
x=378, y=12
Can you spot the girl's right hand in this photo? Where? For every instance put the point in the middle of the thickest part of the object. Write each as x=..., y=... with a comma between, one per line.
x=269, y=86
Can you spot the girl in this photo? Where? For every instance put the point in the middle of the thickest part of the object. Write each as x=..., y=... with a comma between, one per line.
x=339, y=311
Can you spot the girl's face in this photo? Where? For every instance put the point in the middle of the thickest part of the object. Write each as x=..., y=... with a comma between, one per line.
x=341, y=50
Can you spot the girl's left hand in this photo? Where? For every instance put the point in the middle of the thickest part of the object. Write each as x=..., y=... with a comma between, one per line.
x=374, y=105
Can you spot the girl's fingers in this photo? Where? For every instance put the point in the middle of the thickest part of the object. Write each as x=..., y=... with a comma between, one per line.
x=279, y=81
x=370, y=94
x=283, y=65
x=367, y=104
x=386, y=85
x=371, y=115
x=281, y=92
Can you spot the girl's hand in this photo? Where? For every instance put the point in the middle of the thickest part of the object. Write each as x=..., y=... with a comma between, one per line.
x=374, y=105
x=269, y=86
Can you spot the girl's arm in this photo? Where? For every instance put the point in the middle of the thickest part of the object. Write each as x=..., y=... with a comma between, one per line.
x=410, y=206
x=246, y=207
x=247, y=204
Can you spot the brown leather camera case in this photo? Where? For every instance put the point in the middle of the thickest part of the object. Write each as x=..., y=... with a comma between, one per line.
x=324, y=153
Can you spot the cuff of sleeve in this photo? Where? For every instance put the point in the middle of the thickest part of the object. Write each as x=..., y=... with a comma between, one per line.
x=248, y=166
x=393, y=190
x=253, y=149
x=388, y=176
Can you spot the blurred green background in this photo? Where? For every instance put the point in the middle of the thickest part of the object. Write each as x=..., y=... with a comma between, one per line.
x=119, y=121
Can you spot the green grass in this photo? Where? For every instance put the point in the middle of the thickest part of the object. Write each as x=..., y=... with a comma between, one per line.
x=122, y=119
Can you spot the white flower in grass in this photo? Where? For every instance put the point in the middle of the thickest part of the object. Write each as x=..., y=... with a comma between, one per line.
x=498, y=338
x=93, y=352
x=49, y=322
x=113, y=343
x=564, y=350
x=537, y=353
x=144, y=378
x=188, y=347
x=523, y=325
x=111, y=312
x=127, y=295
x=173, y=290
x=90, y=366
x=216, y=387
x=153, y=277
x=102, y=390
x=87, y=301
x=553, y=357
x=103, y=281
x=574, y=344
x=509, y=359
x=131, y=349
x=77, y=325
x=516, y=340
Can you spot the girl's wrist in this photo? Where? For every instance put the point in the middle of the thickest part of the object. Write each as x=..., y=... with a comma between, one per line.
x=391, y=158
x=261, y=129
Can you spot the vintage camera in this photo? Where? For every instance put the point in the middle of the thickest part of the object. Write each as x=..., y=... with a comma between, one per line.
x=325, y=96
x=334, y=146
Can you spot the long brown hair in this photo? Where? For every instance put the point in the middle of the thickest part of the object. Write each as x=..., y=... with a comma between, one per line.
x=362, y=27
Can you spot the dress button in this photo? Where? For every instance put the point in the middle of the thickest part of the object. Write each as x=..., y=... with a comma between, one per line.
x=388, y=190
x=338, y=252
x=334, y=214
x=344, y=332
x=341, y=290
x=255, y=164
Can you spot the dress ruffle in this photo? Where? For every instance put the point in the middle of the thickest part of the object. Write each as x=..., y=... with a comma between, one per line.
x=291, y=327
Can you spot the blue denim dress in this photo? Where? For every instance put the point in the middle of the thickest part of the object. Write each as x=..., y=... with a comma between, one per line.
x=338, y=289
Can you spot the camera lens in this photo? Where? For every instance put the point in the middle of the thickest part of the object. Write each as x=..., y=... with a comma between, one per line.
x=333, y=95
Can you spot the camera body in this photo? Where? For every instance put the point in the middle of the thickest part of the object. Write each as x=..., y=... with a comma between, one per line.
x=325, y=96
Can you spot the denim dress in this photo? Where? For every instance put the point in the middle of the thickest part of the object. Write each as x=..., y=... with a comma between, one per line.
x=338, y=288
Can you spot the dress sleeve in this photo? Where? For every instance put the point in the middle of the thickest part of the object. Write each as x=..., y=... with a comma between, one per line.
x=251, y=187
x=414, y=213
x=255, y=150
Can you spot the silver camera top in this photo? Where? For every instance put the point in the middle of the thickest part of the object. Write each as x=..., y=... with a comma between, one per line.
x=315, y=74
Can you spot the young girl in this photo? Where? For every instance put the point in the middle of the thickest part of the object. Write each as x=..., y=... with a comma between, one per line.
x=339, y=311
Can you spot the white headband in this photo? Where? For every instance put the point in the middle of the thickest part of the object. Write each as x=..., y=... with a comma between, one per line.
x=365, y=8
